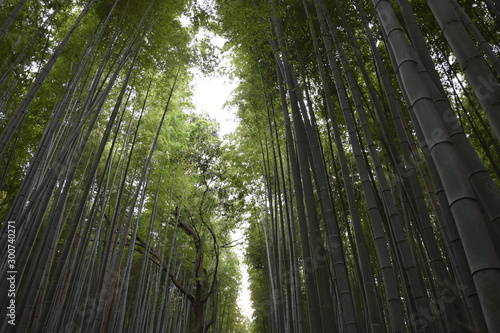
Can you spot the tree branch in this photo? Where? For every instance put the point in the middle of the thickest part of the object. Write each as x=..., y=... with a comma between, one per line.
x=181, y=288
x=216, y=250
x=190, y=231
x=156, y=259
x=207, y=325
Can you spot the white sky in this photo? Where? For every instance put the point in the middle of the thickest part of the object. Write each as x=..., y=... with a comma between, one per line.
x=209, y=95
x=211, y=92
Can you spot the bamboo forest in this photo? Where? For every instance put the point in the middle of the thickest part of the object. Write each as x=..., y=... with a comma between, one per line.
x=358, y=190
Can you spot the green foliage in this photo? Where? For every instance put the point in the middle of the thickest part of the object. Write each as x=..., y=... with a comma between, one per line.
x=190, y=172
x=177, y=214
x=256, y=260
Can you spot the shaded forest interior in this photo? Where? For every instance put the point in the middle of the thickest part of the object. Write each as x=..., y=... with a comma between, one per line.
x=365, y=169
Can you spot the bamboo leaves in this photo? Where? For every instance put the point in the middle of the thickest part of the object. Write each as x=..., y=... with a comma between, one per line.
x=97, y=237
x=410, y=210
